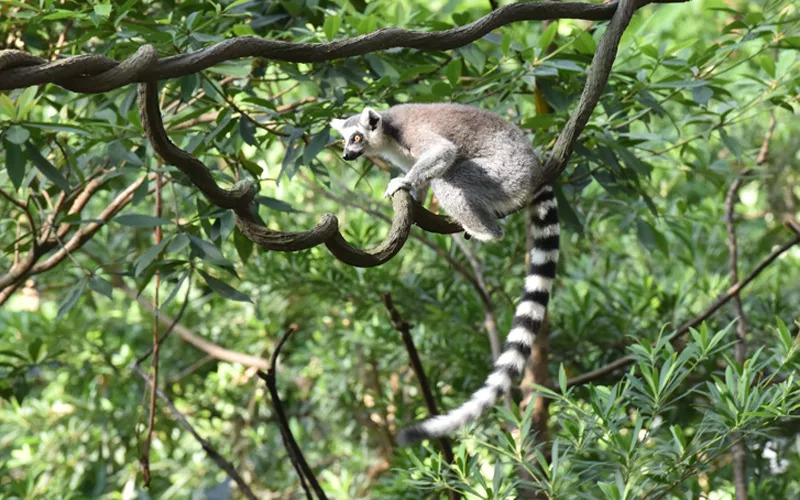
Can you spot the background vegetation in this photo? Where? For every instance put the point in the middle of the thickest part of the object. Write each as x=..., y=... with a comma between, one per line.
x=702, y=94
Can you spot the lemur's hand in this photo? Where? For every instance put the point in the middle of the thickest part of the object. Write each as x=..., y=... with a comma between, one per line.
x=395, y=184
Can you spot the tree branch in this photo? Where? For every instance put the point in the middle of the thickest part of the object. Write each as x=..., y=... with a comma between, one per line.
x=404, y=328
x=304, y=472
x=210, y=451
x=721, y=301
x=99, y=73
x=239, y=199
x=739, y=449
x=596, y=79
x=187, y=335
x=30, y=265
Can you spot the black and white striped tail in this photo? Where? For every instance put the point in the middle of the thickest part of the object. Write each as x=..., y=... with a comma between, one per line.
x=527, y=321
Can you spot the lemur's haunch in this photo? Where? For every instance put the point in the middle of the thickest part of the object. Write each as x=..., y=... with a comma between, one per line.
x=480, y=167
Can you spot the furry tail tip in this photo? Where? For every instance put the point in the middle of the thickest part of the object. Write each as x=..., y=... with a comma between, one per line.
x=411, y=435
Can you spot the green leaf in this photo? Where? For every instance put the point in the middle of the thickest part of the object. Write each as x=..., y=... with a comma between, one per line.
x=331, y=26
x=315, y=145
x=140, y=220
x=12, y=354
x=474, y=56
x=16, y=134
x=244, y=247
x=46, y=168
x=247, y=129
x=211, y=252
x=291, y=150
x=224, y=289
x=7, y=107
x=148, y=256
x=71, y=298
x=644, y=232
x=178, y=243
x=34, y=349
x=784, y=336
x=251, y=166
x=701, y=95
x=235, y=4
x=103, y=9
x=453, y=71
x=767, y=63
x=189, y=85
x=15, y=163
x=549, y=34
x=680, y=84
x=566, y=213
x=585, y=44
x=274, y=204
x=175, y=289
x=562, y=378
x=731, y=143
x=506, y=43
x=64, y=14
x=119, y=154
x=100, y=285
x=59, y=128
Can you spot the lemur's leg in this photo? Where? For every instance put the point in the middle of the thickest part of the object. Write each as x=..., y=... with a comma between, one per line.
x=420, y=193
x=434, y=162
x=476, y=219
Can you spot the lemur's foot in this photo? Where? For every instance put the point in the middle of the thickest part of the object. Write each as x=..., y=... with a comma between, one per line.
x=396, y=184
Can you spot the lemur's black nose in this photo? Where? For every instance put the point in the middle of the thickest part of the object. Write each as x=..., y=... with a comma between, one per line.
x=351, y=155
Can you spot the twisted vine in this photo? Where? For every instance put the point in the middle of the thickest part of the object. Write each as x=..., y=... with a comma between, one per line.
x=240, y=198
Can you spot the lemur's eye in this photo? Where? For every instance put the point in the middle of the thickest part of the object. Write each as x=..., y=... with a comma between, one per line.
x=344, y=142
x=357, y=138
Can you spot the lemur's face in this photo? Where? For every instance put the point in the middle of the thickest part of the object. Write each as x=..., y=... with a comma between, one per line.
x=359, y=133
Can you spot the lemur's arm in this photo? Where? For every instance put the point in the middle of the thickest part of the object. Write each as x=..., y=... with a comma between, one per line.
x=437, y=158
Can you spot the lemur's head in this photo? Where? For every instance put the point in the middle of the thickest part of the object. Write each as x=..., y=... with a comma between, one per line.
x=360, y=133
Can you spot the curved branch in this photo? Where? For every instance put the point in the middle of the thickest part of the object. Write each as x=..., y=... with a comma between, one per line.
x=240, y=197
x=19, y=69
x=596, y=79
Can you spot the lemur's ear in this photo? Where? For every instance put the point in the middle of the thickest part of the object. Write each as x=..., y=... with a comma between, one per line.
x=370, y=119
x=337, y=124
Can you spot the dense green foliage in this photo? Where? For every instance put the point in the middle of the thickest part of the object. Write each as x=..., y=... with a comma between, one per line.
x=686, y=111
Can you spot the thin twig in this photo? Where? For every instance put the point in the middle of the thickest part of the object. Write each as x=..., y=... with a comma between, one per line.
x=210, y=451
x=739, y=449
x=763, y=151
x=214, y=350
x=295, y=454
x=721, y=301
x=172, y=324
x=30, y=265
x=490, y=320
x=404, y=328
x=794, y=225
x=144, y=459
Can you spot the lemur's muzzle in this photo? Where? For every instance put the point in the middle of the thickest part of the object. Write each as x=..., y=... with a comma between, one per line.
x=351, y=155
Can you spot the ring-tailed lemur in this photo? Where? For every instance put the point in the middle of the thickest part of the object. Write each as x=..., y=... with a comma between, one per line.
x=480, y=167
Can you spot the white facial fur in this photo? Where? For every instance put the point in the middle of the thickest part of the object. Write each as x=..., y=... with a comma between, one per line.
x=367, y=126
